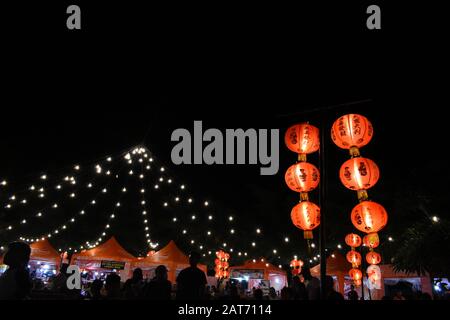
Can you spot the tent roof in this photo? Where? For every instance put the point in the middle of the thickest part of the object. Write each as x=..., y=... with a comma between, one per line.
x=338, y=264
x=110, y=250
x=258, y=264
x=170, y=253
x=43, y=250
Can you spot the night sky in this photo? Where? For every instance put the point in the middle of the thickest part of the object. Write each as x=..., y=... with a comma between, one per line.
x=70, y=100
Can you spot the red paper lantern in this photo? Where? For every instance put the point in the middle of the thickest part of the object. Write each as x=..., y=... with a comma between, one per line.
x=354, y=258
x=373, y=258
x=355, y=274
x=306, y=216
x=302, y=177
x=371, y=240
x=302, y=138
x=353, y=240
x=369, y=216
x=359, y=173
x=351, y=130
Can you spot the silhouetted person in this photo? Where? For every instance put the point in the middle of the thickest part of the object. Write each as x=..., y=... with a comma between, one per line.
x=398, y=296
x=286, y=294
x=352, y=294
x=59, y=283
x=96, y=289
x=191, y=281
x=15, y=283
x=272, y=294
x=112, y=287
x=312, y=284
x=330, y=293
x=299, y=289
x=133, y=288
x=258, y=294
x=159, y=288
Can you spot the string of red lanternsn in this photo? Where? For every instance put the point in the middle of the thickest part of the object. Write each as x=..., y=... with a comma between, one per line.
x=351, y=132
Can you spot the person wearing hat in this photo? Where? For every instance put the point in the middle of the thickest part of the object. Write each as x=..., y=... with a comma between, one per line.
x=159, y=288
x=15, y=283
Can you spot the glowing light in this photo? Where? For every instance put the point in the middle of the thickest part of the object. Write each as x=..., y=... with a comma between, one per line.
x=230, y=218
x=93, y=202
x=77, y=167
x=156, y=186
x=190, y=200
x=253, y=244
x=24, y=221
x=193, y=217
x=109, y=159
x=142, y=190
x=32, y=187
x=161, y=179
x=4, y=183
x=55, y=205
x=210, y=217
x=82, y=212
x=144, y=213
x=147, y=167
x=258, y=230
x=143, y=202
x=339, y=246
x=232, y=231
x=89, y=185
x=98, y=169
x=108, y=173
x=182, y=187
x=169, y=181
x=184, y=231
x=124, y=189
x=333, y=256
x=286, y=239
x=390, y=239
x=224, y=244
x=44, y=177
x=118, y=204
x=141, y=176
x=112, y=216
x=130, y=172
x=72, y=195
x=13, y=197
x=313, y=245
x=39, y=214
x=162, y=169
x=274, y=251
x=435, y=219
x=165, y=204
x=206, y=203
x=208, y=233
x=174, y=219
x=72, y=220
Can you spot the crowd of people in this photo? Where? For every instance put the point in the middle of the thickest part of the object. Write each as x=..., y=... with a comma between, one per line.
x=191, y=284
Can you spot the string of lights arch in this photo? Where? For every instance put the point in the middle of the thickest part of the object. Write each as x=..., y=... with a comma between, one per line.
x=59, y=188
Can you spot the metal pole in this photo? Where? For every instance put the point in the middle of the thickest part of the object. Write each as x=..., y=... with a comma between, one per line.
x=323, y=207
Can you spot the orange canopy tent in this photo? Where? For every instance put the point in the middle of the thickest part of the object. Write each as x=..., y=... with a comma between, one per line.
x=260, y=270
x=170, y=256
x=42, y=252
x=105, y=256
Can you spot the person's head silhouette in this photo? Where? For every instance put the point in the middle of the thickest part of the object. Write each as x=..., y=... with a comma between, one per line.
x=161, y=272
x=137, y=274
x=18, y=255
x=194, y=258
x=306, y=273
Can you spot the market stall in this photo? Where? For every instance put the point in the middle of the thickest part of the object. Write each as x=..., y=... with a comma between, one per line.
x=171, y=256
x=338, y=268
x=44, y=261
x=259, y=274
x=106, y=258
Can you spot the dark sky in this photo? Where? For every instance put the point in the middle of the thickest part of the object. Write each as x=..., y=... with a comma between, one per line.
x=70, y=99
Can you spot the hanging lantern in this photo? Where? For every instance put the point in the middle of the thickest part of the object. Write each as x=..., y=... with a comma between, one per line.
x=354, y=258
x=303, y=139
x=373, y=257
x=353, y=240
x=369, y=216
x=371, y=240
x=296, y=266
x=355, y=274
x=374, y=276
x=306, y=216
x=359, y=174
x=302, y=177
x=352, y=131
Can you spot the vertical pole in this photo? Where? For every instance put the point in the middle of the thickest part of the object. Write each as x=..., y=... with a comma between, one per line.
x=323, y=208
